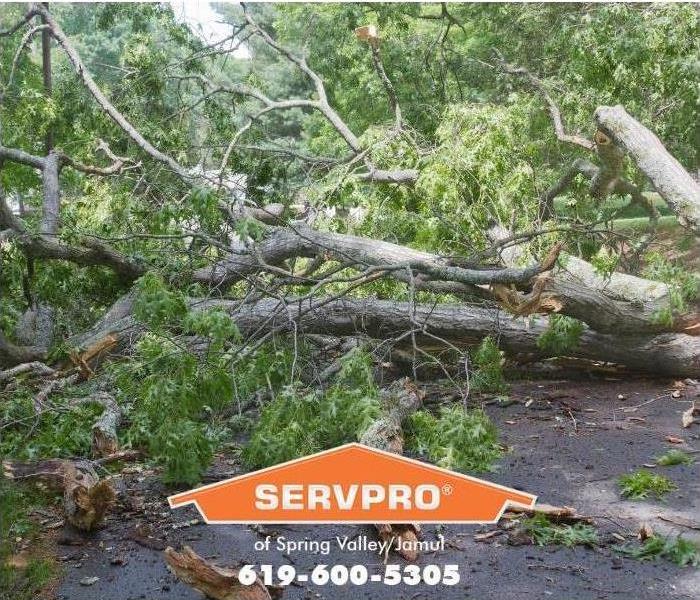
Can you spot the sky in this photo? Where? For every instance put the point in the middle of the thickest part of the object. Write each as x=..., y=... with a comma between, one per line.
x=204, y=21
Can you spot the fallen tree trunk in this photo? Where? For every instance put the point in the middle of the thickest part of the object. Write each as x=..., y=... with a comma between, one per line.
x=669, y=354
x=462, y=325
x=620, y=303
x=673, y=183
x=86, y=498
x=399, y=402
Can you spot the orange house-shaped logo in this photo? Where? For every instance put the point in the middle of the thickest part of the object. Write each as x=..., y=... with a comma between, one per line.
x=352, y=484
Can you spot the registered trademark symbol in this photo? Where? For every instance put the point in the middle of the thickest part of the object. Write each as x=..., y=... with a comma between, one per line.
x=447, y=489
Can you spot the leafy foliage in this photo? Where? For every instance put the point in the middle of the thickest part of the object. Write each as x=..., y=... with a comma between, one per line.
x=487, y=375
x=682, y=286
x=155, y=304
x=680, y=551
x=642, y=483
x=164, y=377
x=545, y=533
x=674, y=457
x=562, y=335
x=481, y=139
x=457, y=439
x=62, y=431
x=298, y=422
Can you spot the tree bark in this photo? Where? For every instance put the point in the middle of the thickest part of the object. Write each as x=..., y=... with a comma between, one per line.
x=12, y=354
x=214, y=582
x=47, y=75
x=86, y=498
x=675, y=185
x=104, y=430
x=399, y=402
x=620, y=303
x=463, y=325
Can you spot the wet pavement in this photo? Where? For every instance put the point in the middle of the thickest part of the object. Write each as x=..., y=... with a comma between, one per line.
x=568, y=442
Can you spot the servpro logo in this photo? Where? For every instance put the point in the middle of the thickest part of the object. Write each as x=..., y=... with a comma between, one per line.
x=352, y=484
x=324, y=497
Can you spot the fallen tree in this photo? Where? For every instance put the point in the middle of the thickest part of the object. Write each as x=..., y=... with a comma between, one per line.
x=282, y=276
x=434, y=326
x=624, y=304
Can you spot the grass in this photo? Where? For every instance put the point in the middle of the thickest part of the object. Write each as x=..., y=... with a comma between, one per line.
x=545, y=533
x=665, y=223
x=642, y=483
x=679, y=550
x=27, y=582
x=674, y=457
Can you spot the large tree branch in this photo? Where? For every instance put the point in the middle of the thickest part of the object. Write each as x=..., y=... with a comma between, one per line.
x=401, y=176
x=675, y=185
x=616, y=184
x=28, y=16
x=46, y=245
x=22, y=157
x=104, y=103
x=303, y=241
x=13, y=354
